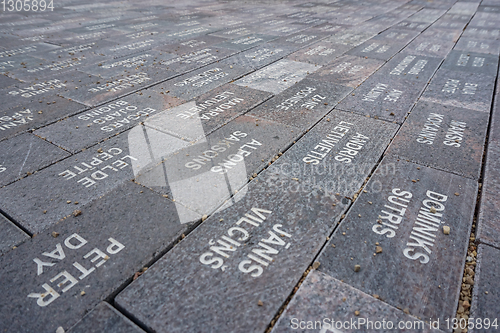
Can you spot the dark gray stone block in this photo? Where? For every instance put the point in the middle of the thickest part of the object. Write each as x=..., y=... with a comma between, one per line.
x=382, y=49
x=259, y=56
x=411, y=67
x=24, y=154
x=205, y=174
x=403, y=211
x=105, y=318
x=486, y=297
x=334, y=304
x=478, y=46
x=348, y=70
x=443, y=137
x=71, y=267
x=337, y=154
x=460, y=89
x=471, y=62
x=27, y=49
x=320, y=53
x=6, y=82
x=199, y=285
x=350, y=37
x=303, y=104
x=429, y=47
x=482, y=33
x=201, y=81
x=10, y=235
x=383, y=97
x=242, y=43
x=277, y=77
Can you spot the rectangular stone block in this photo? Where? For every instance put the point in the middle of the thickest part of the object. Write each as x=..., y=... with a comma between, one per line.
x=242, y=43
x=478, y=46
x=90, y=50
x=347, y=70
x=382, y=49
x=88, y=128
x=27, y=49
x=482, y=33
x=412, y=25
x=429, y=47
x=58, y=276
x=105, y=318
x=194, y=120
x=303, y=104
x=35, y=114
x=201, y=81
x=301, y=39
x=320, y=53
x=383, y=97
x=350, y=37
x=427, y=15
x=205, y=174
x=460, y=89
x=471, y=62
x=412, y=67
x=259, y=56
x=337, y=154
x=328, y=305
x=392, y=242
x=486, y=298
x=10, y=235
x=25, y=154
x=244, y=259
x=277, y=77
x=443, y=137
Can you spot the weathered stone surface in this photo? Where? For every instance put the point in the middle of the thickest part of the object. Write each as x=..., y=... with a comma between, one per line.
x=460, y=89
x=10, y=235
x=383, y=97
x=382, y=49
x=24, y=154
x=485, y=298
x=482, y=33
x=350, y=37
x=411, y=67
x=69, y=268
x=241, y=43
x=105, y=318
x=31, y=49
x=88, y=128
x=403, y=211
x=334, y=304
x=347, y=70
x=471, y=62
x=277, y=77
x=320, y=53
x=36, y=114
x=259, y=56
x=444, y=137
x=197, y=284
x=193, y=120
x=200, y=81
x=6, y=82
x=303, y=104
x=203, y=175
x=478, y=46
x=337, y=154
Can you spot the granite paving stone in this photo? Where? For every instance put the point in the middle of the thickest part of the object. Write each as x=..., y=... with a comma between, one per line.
x=337, y=154
x=403, y=211
x=242, y=43
x=199, y=285
x=482, y=33
x=259, y=56
x=460, y=89
x=486, y=296
x=277, y=77
x=71, y=267
x=10, y=235
x=333, y=304
x=409, y=66
x=205, y=174
x=6, y=82
x=350, y=37
x=105, y=318
x=382, y=49
x=478, y=46
x=347, y=70
x=444, y=137
x=25, y=154
x=201, y=81
x=471, y=62
x=320, y=53
x=383, y=97
x=303, y=104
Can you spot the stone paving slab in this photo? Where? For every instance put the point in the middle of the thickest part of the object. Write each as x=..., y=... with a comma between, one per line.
x=411, y=67
x=486, y=296
x=105, y=318
x=11, y=235
x=333, y=304
x=403, y=211
x=471, y=62
x=69, y=268
x=444, y=137
x=24, y=154
x=320, y=53
x=478, y=46
x=198, y=285
x=460, y=89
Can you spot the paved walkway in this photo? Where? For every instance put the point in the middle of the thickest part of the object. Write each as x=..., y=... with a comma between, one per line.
x=245, y=166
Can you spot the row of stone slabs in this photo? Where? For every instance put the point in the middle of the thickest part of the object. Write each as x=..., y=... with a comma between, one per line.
x=294, y=180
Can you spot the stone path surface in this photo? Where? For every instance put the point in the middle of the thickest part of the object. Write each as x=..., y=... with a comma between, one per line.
x=250, y=166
